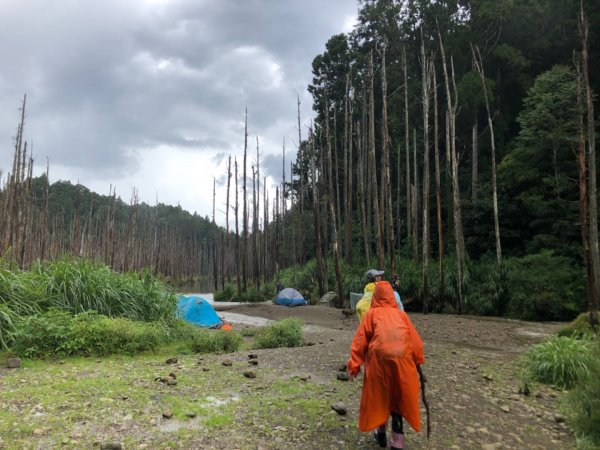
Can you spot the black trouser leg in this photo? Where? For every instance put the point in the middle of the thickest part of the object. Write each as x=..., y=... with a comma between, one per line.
x=397, y=426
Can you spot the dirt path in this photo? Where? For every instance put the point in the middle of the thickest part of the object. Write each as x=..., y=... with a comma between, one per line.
x=471, y=369
x=472, y=390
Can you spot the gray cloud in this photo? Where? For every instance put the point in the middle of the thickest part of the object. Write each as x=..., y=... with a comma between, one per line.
x=109, y=81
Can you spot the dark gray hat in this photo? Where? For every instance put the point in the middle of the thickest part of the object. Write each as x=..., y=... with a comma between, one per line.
x=372, y=273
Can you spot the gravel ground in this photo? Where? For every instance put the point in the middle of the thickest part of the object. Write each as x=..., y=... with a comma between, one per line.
x=471, y=366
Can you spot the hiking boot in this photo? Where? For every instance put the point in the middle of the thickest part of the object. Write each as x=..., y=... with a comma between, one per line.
x=381, y=438
x=397, y=441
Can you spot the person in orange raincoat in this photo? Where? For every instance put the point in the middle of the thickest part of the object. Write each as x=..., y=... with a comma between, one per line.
x=390, y=348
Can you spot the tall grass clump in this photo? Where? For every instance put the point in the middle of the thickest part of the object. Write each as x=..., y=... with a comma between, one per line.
x=287, y=333
x=20, y=296
x=559, y=361
x=79, y=285
x=216, y=341
x=583, y=403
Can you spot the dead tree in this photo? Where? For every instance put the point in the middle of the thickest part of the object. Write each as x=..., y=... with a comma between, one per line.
x=452, y=109
x=336, y=242
x=321, y=282
x=426, y=75
x=438, y=191
x=245, y=212
x=386, y=183
x=238, y=278
x=407, y=145
x=378, y=216
x=227, y=248
x=479, y=66
x=591, y=157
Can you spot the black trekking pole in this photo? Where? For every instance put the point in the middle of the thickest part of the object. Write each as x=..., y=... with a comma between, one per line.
x=424, y=398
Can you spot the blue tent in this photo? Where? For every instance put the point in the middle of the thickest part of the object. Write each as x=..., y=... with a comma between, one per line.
x=289, y=297
x=197, y=310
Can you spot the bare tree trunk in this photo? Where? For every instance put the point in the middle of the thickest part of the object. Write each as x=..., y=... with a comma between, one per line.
x=245, y=218
x=438, y=192
x=213, y=239
x=474, y=160
x=227, y=248
x=362, y=193
x=415, y=200
x=315, y=197
x=591, y=156
x=238, y=265
x=301, y=193
x=336, y=242
x=479, y=66
x=378, y=217
x=426, y=73
x=407, y=145
x=386, y=188
x=452, y=99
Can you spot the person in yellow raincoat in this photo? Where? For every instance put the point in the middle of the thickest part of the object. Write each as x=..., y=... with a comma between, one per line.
x=390, y=348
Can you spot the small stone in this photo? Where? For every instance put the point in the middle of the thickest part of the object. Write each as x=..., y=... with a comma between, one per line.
x=558, y=418
x=305, y=377
x=13, y=363
x=343, y=376
x=167, y=414
x=171, y=382
x=172, y=375
x=227, y=363
x=253, y=362
x=205, y=369
x=252, y=356
x=38, y=432
x=339, y=408
x=343, y=367
x=250, y=374
x=488, y=377
x=172, y=360
x=191, y=415
x=505, y=408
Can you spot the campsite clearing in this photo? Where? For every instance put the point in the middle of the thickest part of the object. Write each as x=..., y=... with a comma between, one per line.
x=472, y=389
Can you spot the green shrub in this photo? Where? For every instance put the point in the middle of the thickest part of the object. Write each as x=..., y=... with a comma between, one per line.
x=578, y=328
x=559, y=361
x=100, y=335
x=287, y=333
x=216, y=341
x=544, y=287
x=58, y=333
x=583, y=401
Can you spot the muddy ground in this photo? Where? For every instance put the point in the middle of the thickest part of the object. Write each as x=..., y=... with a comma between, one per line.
x=471, y=366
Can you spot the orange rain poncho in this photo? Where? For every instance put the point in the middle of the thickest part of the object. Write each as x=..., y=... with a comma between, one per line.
x=389, y=346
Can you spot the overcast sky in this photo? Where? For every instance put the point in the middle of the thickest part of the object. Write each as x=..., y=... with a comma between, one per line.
x=151, y=94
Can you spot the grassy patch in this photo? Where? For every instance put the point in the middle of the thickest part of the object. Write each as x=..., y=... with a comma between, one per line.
x=287, y=333
x=559, y=361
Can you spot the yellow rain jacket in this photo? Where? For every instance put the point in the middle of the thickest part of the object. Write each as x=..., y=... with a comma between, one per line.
x=364, y=303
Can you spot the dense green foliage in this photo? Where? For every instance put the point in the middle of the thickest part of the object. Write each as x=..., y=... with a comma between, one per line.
x=286, y=333
x=78, y=286
x=560, y=361
x=539, y=286
x=59, y=333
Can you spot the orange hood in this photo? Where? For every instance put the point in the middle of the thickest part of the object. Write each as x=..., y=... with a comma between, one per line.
x=383, y=295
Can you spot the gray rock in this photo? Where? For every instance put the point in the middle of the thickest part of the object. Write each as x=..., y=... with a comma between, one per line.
x=172, y=360
x=339, y=408
x=343, y=376
x=250, y=374
x=13, y=363
x=167, y=414
x=505, y=408
x=227, y=363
